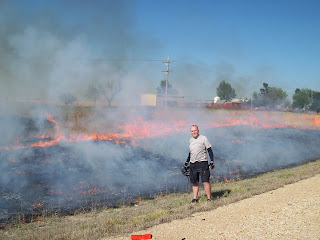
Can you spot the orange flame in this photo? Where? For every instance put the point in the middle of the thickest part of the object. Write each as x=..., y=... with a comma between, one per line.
x=138, y=200
x=139, y=128
x=37, y=205
x=250, y=120
x=315, y=120
x=226, y=179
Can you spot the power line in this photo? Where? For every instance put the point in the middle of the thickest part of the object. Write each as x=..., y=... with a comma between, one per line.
x=5, y=55
x=126, y=60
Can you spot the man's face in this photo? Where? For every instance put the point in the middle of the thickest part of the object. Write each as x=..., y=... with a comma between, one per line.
x=194, y=131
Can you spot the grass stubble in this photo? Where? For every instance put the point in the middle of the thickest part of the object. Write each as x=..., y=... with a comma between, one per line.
x=108, y=222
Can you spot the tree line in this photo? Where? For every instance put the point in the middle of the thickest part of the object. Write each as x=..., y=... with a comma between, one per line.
x=267, y=96
x=273, y=97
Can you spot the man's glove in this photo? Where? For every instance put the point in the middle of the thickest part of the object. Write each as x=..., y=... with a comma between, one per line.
x=186, y=165
x=185, y=171
x=211, y=166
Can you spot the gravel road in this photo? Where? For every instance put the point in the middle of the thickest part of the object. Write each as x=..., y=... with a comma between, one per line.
x=290, y=212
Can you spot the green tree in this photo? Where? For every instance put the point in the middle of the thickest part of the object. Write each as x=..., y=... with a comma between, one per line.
x=162, y=88
x=275, y=96
x=269, y=96
x=265, y=90
x=225, y=91
x=256, y=99
x=302, y=98
x=315, y=106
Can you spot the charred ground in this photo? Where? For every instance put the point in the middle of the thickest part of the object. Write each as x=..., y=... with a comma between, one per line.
x=66, y=175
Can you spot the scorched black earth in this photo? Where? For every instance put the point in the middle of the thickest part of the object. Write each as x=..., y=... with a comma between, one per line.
x=69, y=175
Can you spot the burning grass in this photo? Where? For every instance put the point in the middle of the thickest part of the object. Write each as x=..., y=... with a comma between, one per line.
x=79, y=160
x=107, y=222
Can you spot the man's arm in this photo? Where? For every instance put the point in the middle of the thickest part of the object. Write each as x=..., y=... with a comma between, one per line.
x=187, y=162
x=211, y=157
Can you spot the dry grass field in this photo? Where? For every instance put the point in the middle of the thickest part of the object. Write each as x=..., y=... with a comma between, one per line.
x=106, y=222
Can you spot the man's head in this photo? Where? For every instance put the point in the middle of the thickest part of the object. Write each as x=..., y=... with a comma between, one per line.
x=194, y=131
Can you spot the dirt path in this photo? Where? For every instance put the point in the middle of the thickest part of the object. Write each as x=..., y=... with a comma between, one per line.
x=290, y=212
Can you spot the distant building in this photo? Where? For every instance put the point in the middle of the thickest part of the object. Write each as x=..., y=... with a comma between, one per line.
x=149, y=100
x=224, y=104
x=240, y=100
x=216, y=99
x=158, y=100
x=220, y=101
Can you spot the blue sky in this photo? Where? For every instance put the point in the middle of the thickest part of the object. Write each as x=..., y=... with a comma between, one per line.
x=243, y=42
x=282, y=36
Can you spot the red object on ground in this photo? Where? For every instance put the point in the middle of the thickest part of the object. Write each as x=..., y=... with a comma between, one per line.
x=144, y=236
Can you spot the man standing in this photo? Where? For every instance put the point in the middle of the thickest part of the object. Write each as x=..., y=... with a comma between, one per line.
x=198, y=158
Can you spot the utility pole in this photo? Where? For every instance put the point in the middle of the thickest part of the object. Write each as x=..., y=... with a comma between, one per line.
x=167, y=81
